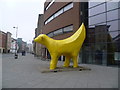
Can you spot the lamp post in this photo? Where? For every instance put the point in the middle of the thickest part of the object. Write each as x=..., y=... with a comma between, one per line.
x=16, y=54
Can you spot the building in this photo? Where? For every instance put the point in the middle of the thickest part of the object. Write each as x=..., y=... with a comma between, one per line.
x=13, y=45
x=62, y=19
x=59, y=23
x=103, y=23
x=21, y=45
x=1, y=49
x=2, y=42
x=30, y=48
x=24, y=45
x=5, y=42
x=38, y=30
x=19, y=40
x=8, y=44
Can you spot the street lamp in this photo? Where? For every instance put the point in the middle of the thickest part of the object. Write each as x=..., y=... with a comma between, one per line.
x=16, y=54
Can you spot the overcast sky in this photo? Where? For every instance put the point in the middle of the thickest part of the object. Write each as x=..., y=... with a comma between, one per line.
x=22, y=14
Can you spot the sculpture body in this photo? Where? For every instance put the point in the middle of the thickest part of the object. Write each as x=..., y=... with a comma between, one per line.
x=67, y=47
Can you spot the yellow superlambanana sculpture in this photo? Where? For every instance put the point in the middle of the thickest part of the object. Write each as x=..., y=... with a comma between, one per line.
x=68, y=47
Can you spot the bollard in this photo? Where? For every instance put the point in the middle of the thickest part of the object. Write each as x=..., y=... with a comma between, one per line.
x=16, y=56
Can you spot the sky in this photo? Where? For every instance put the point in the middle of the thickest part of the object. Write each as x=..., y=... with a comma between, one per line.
x=22, y=14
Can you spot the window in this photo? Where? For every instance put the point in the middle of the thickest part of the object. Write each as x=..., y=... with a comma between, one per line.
x=61, y=31
x=46, y=22
x=113, y=34
x=51, y=18
x=112, y=5
x=113, y=25
x=50, y=34
x=97, y=10
x=112, y=15
x=68, y=7
x=50, y=4
x=94, y=3
x=58, y=13
x=97, y=19
x=57, y=32
x=68, y=29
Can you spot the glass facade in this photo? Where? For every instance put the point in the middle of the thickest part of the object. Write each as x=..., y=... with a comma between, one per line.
x=102, y=44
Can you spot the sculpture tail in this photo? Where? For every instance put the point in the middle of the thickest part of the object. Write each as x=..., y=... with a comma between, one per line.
x=80, y=32
x=80, y=35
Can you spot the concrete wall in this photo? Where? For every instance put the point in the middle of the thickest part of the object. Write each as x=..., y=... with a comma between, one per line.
x=37, y=48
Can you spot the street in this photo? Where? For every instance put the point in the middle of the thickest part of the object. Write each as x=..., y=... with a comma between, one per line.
x=25, y=72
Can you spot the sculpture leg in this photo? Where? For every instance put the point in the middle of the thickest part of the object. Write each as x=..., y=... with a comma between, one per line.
x=75, y=61
x=53, y=62
x=67, y=61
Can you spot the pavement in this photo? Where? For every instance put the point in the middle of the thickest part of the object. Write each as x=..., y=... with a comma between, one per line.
x=25, y=72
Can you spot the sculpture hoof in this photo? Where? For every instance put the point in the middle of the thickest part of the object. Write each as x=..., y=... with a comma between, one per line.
x=65, y=66
x=52, y=68
x=75, y=66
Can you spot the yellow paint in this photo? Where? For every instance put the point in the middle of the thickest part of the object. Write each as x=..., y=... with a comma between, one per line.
x=68, y=47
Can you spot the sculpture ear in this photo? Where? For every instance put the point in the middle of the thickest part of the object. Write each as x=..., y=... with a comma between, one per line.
x=42, y=38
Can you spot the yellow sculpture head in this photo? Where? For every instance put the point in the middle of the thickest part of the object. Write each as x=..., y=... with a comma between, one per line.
x=40, y=38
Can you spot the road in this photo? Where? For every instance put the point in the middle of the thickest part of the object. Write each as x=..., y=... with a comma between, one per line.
x=25, y=72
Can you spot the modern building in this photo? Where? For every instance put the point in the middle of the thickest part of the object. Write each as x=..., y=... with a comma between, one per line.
x=102, y=19
x=19, y=41
x=102, y=42
x=21, y=45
